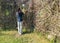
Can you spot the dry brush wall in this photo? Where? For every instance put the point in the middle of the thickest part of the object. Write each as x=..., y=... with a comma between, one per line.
x=47, y=13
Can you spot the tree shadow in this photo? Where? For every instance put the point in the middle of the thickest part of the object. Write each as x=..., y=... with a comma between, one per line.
x=29, y=21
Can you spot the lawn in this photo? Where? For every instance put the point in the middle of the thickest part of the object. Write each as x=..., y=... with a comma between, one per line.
x=13, y=37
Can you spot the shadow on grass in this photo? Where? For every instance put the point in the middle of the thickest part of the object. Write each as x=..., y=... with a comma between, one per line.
x=26, y=33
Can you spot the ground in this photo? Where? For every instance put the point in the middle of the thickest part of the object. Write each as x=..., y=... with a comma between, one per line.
x=14, y=37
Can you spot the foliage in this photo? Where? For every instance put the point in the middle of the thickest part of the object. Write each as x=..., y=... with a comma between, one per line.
x=7, y=14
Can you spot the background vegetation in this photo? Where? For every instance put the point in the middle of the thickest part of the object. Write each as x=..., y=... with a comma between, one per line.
x=41, y=16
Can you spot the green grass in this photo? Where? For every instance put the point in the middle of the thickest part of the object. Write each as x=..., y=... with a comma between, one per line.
x=14, y=37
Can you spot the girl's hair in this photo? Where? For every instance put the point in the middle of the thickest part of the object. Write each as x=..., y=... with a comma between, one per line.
x=19, y=9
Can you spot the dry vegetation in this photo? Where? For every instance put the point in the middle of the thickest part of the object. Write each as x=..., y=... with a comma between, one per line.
x=47, y=15
x=44, y=15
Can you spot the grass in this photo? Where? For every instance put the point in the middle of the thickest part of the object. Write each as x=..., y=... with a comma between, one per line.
x=14, y=37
